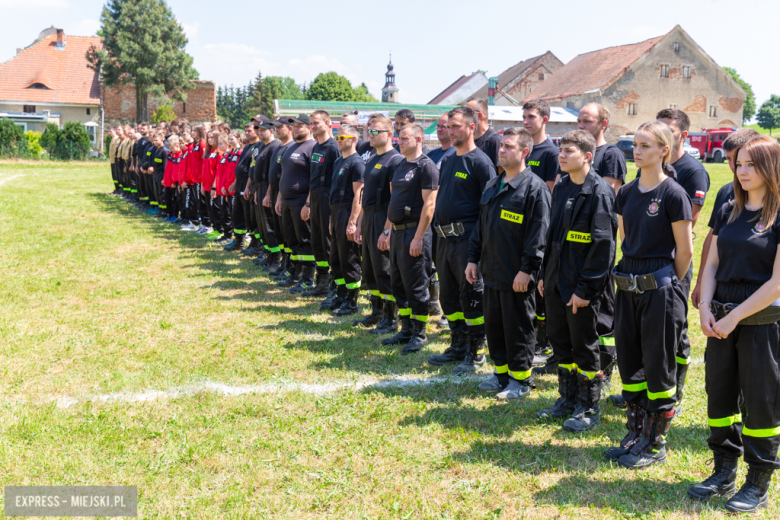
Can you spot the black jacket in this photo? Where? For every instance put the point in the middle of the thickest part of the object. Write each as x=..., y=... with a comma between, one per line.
x=581, y=255
x=159, y=158
x=512, y=229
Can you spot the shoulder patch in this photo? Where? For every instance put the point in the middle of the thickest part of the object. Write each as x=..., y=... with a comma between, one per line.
x=602, y=221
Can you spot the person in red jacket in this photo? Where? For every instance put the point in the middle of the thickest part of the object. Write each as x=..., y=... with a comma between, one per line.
x=170, y=177
x=207, y=178
x=228, y=191
x=195, y=208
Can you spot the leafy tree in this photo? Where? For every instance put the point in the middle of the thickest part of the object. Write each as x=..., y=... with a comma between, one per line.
x=32, y=144
x=164, y=113
x=10, y=133
x=329, y=86
x=143, y=45
x=51, y=136
x=278, y=87
x=76, y=137
x=749, y=107
x=254, y=95
x=361, y=94
x=769, y=114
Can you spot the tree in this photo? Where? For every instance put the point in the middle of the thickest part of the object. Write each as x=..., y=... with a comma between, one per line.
x=164, y=113
x=10, y=132
x=769, y=114
x=51, y=136
x=278, y=87
x=254, y=95
x=749, y=107
x=76, y=139
x=143, y=45
x=363, y=95
x=329, y=86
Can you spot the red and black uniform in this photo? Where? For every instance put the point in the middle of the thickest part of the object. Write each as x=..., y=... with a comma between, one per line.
x=170, y=181
x=207, y=176
x=195, y=206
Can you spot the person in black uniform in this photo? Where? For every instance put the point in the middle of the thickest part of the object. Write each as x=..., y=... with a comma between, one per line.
x=345, y=196
x=410, y=213
x=279, y=262
x=485, y=138
x=543, y=161
x=654, y=215
x=323, y=157
x=507, y=247
x=141, y=164
x=402, y=118
x=462, y=179
x=242, y=222
x=364, y=148
x=576, y=272
x=260, y=174
x=377, y=175
x=740, y=309
x=292, y=199
x=158, y=160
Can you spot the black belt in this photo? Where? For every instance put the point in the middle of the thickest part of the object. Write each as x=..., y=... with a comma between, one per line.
x=406, y=225
x=455, y=229
x=643, y=282
x=769, y=315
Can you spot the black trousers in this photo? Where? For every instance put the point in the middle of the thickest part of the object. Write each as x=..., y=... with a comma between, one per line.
x=320, y=230
x=684, y=347
x=141, y=186
x=157, y=179
x=237, y=215
x=250, y=213
x=376, y=263
x=460, y=300
x=297, y=232
x=574, y=337
x=225, y=204
x=410, y=275
x=278, y=226
x=344, y=254
x=647, y=332
x=509, y=320
x=213, y=212
x=114, y=176
x=190, y=201
x=171, y=203
x=265, y=218
x=742, y=377
x=204, y=200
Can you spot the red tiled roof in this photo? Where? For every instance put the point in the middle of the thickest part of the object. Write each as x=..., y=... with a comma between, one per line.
x=452, y=88
x=505, y=77
x=64, y=72
x=592, y=70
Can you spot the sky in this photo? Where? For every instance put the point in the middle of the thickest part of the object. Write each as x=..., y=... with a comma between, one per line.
x=432, y=43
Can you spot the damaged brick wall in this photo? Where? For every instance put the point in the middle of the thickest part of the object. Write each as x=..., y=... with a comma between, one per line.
x=699, y=105
x=119, y=104
x=730, y=104
x=632, y=97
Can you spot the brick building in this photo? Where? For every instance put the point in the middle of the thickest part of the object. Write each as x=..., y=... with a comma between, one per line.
x=523, y=78
x=636, y=81
x=119, y=104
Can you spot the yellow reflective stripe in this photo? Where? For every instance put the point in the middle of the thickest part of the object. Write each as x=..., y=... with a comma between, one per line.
x=726, y=421
x=481, y=351
x=766, y=432
x=476, y=321
x=571, y=367
x=322, y=264
x=455, y=316
x=540, y=318
x=287, y=250
x=608, y=341
x=374, y=292
x=502, y=369
x=682, y=361
x=512, y=217
x=635, y=388
x=340, y=281
x=273, y=249
x=353, y=285
x=589, y=375
x=662, y=395
x=389, y=297
x=405, y=312
x=576, y=236
x=158, y=160
x=306, y=258
x=520, y=376
x=420, y=317
x=240, y=231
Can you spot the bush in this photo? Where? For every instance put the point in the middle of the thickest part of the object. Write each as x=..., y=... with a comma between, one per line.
x=32, y=145
x=10, y=133
x=51, y=136
x=163, y=113
x=76, y=140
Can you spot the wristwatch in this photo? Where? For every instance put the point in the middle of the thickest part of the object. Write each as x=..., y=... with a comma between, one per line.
x=385, y=232
x=308, y=204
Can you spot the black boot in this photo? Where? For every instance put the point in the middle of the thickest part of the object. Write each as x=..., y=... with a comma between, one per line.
x=270, y=262
x=434, y=309
x=403, y=335
x=617, y=400
x=418, y=339
x=543, y=350
x=349, y=305
x=333, y=303
x=459, y=347
x=236, y=244
x=292, y=279
x=682, y=372
x=286, y=267
x=475, y=357
x=635, y=417
x=587, y=415
x=321, y=289
x=567, y=402
x=722, y=482
x=651, y=447
x=376, y=313
x=305, y=283
x=389, y=322
x=754, y=493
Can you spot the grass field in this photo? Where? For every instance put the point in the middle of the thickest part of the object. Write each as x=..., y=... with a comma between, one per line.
x=269, y=408
x=775, y=131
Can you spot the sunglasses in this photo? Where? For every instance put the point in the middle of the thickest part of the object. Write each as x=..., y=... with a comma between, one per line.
x=256, y=127
x=376, y=132
x=344, y=137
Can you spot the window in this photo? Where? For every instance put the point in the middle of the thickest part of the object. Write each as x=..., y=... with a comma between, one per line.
x=713, y=111
x=686, y=72
x=676, y=46
x=632, y=109
x=91, y=132
x=664, y=69
x=541, y=77
x=674, y=106
x=28, y=109
x=88, y=111
x=39, y=86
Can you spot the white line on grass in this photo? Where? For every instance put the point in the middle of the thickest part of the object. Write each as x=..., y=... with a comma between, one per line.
x=10, y=178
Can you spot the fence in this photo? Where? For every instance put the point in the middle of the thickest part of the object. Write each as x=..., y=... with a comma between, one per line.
x=61, y=151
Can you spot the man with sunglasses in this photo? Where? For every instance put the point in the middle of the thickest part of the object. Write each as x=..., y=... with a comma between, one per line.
x=376, y=195
x=364, y=148
x=345, y=194
x=323, y=157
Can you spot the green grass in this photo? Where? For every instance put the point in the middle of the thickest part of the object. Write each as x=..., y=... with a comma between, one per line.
x=96, y=298
x=775, y=131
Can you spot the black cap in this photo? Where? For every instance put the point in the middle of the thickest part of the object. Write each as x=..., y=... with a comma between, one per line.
x=302, y=118
x=263, y=121
x=283, y=120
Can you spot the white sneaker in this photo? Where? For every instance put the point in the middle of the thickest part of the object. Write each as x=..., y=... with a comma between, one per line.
x=202, y=230
x=189, y=227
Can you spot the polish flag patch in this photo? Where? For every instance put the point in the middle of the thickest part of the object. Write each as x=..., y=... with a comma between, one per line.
x=698, y=194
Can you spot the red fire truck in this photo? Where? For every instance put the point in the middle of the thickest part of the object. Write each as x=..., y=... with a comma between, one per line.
x=709, y=142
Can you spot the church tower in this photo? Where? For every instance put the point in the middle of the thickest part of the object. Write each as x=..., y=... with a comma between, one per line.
x=390, y=91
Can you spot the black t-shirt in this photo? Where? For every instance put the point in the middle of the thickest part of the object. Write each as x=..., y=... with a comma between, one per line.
x=377, y=167
x=437, y=155
x=461, y=183
x=296, y=171
x=364, y=149
x=543, y=161
x=490, y=142
x=345, y=172
x=263, y=162
x=323, y=156
x=725, y=194
x=245, y=162
x=746, y=248
x=648, y=218
x=609, y=161
x=564, y=191
x=275, y=167
x=397, y=148
x=420, y=174
x=692, y=176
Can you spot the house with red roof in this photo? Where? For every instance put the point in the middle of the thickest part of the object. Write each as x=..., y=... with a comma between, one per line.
x=638, y=80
